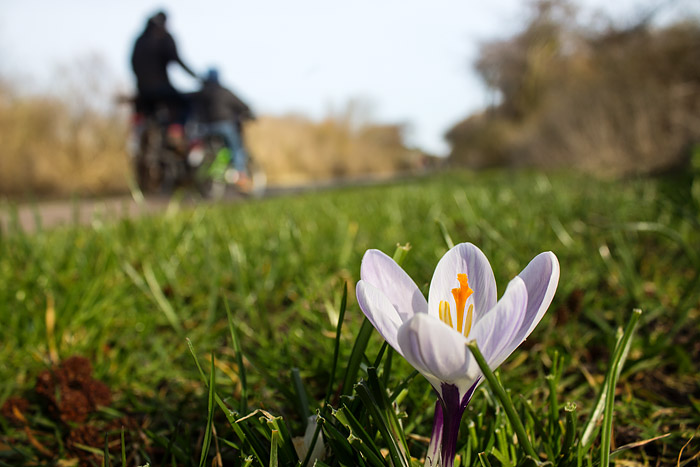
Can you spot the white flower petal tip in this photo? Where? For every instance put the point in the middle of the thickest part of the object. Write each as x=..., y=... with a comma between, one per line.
x=541, y=277
x=382, y=272
x=380, y=312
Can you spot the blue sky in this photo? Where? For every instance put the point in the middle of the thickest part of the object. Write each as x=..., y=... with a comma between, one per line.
x=408, y=61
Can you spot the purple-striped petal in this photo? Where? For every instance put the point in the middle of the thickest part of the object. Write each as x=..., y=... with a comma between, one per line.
x=380, y=312
x=464, y=258
x=383, y=273
x=541, y=277
x=496, y=333
x=438, y=352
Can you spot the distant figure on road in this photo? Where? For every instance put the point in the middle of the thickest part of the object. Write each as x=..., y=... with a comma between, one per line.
x=154, y=49
x=220, y=112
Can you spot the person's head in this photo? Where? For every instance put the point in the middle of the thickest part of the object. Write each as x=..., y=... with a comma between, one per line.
x=212, y=76
x=158, y=20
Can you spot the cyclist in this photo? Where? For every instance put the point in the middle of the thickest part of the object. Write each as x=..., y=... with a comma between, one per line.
x=220, y=112
x=153, y=50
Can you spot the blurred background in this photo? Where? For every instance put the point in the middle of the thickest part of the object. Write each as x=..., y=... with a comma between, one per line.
x=361, y=89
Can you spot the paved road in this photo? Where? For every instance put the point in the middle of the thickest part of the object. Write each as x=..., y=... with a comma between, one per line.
x=31, y=217
x=47, y=214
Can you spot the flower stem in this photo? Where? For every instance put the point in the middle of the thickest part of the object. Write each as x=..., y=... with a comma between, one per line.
x=452, y=410
x=505, y=400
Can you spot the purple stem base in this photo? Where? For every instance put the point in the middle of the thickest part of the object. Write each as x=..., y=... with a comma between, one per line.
x=449, y=409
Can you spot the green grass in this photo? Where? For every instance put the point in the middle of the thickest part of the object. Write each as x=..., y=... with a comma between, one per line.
x=128, y=294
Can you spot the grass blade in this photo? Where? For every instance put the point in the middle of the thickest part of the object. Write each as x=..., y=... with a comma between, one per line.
x=123, y=448
x=507, y=404
x=303, y=399
x=206, y=443
x=241, y=430
x=356, y=357
x=336, y=348
x=620, y=352
x=570, y=430
x=374, y=399
x=105, y=454
x=401, y=252
x=243, y=403
x=273, y=449
x=160, y=299
x=445, y=234
x=616, y=369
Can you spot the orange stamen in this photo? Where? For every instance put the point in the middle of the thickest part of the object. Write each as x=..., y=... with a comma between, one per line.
x=461, y=294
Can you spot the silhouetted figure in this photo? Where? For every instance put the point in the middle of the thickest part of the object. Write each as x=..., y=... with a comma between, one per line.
x=219, y=111
x=154, y=49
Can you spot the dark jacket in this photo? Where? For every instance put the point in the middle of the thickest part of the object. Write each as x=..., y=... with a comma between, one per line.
x=153, y=51
x=215, y=103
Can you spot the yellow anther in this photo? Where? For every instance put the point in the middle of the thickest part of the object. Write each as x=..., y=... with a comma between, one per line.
x=468, y=324
x=445, y=315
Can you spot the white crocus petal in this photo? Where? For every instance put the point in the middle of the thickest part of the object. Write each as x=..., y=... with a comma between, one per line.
x=464, y=258
x=380, y=312
x=496, y=332
x=385, y=274
x=415, y=328
x=541, y=277
x=438, y=352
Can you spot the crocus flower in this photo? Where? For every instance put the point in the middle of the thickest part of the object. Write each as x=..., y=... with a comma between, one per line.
x=432, y=334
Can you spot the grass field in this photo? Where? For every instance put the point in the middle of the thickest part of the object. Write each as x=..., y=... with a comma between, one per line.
x=132, y=296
